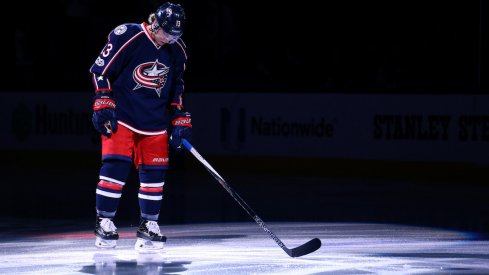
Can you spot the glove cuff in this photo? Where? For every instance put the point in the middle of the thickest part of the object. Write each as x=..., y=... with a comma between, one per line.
x=183, y=119
x=103, y=102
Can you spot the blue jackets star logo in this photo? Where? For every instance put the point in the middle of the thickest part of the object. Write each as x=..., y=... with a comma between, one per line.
x=152, y=75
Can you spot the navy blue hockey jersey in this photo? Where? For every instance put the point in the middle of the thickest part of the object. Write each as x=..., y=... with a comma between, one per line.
x=145, y=78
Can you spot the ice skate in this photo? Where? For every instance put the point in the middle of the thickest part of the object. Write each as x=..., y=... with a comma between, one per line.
x=149, y=237
x=106, y=233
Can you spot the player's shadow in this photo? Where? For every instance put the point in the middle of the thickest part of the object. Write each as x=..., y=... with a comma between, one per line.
x=145, y=263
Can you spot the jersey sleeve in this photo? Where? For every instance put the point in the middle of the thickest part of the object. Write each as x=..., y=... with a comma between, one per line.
x=109, y=62
x=180, y=66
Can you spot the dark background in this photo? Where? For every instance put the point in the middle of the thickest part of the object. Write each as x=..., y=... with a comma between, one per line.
x=315, y=46
x=413, y=47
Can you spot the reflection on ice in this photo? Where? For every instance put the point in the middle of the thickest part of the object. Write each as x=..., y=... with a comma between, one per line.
x=243, y=248
x=143, y=263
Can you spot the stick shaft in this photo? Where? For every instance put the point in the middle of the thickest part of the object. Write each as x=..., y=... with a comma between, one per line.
x=301, y=250
x=235, y=195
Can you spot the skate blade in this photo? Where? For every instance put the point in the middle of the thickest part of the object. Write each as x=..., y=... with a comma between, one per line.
x=143, y=245
x=101, y=243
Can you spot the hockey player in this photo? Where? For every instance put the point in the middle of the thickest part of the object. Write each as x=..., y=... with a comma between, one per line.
x=138, y=79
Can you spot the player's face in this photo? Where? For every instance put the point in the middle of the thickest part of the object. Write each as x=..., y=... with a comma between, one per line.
x=162, y=37
x=168, y=38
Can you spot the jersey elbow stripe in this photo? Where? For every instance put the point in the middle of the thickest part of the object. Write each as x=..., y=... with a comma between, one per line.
x=99, y=88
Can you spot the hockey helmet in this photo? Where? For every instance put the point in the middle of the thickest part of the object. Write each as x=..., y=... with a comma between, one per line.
x=171, y=18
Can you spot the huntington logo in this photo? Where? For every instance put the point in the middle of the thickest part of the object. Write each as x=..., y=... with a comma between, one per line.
x=30, y=122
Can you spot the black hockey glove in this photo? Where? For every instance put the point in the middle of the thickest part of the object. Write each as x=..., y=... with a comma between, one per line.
x=181, y=128
x=103, y=117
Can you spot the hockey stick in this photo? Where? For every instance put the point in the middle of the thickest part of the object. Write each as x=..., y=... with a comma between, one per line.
x=301, y=250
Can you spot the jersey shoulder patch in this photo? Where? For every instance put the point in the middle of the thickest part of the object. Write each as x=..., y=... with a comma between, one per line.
x=125, y=30
x=121, y=29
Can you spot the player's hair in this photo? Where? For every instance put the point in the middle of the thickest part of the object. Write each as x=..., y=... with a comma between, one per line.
x=151, y=18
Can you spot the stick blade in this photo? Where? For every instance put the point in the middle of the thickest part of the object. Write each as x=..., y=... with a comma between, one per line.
x=306, y=248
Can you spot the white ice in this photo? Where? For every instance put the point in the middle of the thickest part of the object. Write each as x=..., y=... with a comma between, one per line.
x=244, y=248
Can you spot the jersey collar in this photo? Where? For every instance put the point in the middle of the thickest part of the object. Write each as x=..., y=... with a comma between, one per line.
x=145, y=25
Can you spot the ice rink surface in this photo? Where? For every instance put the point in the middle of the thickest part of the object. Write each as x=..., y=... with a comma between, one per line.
x=67, y=247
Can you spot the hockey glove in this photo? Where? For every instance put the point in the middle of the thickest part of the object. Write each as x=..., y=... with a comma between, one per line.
x=103, y=117
x=181, y=128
